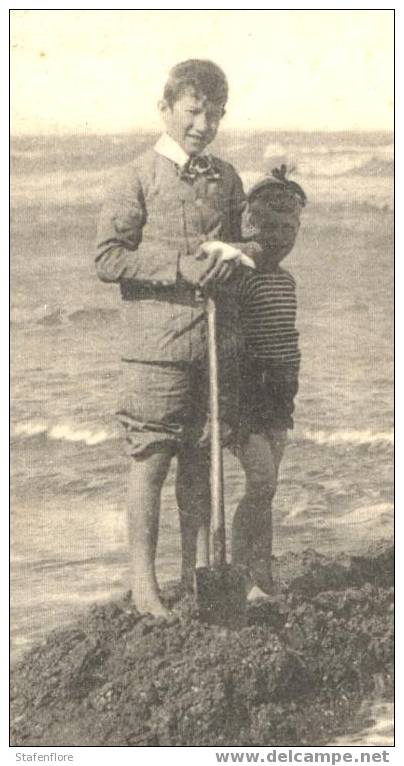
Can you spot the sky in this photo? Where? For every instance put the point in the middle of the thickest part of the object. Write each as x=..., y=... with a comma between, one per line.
x=103, y=71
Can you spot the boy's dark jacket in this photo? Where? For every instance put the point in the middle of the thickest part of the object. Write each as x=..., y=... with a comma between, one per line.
x=150, y=218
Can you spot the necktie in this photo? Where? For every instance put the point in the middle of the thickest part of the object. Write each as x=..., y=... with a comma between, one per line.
x=200, y=165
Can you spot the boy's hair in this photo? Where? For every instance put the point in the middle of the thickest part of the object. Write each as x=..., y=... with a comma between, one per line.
x=202, y=75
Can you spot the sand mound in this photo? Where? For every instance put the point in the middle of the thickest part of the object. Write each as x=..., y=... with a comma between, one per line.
x=293, y=675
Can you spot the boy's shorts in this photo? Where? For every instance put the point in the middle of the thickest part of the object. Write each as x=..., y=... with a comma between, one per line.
x=166, y=405
x=266, y=398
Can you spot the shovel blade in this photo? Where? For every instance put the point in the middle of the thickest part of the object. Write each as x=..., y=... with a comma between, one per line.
x=221, y=595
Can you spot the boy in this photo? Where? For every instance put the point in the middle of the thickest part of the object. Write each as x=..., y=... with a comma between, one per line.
x=269, y=372
x=155, y=222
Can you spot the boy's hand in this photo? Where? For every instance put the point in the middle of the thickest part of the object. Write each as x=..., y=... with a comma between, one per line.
x=191, y=269
x=212, y=262
x=221, y=261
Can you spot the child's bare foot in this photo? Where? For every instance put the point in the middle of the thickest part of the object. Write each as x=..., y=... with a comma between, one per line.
x=261, y=577
x=256, y=593
x=261, y=583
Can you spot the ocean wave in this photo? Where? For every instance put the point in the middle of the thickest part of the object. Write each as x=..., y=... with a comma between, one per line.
x=379, y=514
x=30, y=428
x=58, y=315
x=346, y=159
x=59, y=187
x=366, y=514
x=360, y=191
x=347, y=437
x=79, y=432
x=79, y=185
x=374, y=167
x=344, y=165
x=62, y=432
x=379, y=732
x=383, y=150
x=95, y=314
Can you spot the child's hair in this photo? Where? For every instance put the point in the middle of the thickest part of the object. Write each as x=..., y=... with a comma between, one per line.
x=203, y=76
x=280, y=193
x=274, y=195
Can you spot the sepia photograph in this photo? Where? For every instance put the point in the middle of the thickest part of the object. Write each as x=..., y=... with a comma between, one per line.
x=202, y=378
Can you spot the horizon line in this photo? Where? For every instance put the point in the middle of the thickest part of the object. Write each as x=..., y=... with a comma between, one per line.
x=145, y=130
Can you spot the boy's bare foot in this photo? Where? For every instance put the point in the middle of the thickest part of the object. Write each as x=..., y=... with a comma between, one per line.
x=149, y=603
x=187, y=582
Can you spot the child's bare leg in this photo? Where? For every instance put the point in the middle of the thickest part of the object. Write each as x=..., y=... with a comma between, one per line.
x=193, y=498
x=145, y=483
x=252, y=524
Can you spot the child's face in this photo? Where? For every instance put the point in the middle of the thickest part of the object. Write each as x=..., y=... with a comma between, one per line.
x=278, y=230
x=192, y=121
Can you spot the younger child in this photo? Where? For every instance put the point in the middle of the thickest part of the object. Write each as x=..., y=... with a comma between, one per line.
x=269, y=369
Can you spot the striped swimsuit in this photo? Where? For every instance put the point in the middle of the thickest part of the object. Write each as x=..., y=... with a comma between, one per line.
x=267, y=303
x=269, y=374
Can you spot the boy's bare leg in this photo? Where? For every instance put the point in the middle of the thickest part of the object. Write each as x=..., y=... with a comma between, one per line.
x=145, y=483
x=193, y=498
x=260, y=456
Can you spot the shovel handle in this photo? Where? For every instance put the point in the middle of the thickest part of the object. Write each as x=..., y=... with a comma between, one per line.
x=218, y=534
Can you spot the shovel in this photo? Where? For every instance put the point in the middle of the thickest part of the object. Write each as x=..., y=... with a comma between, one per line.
x=220, y=588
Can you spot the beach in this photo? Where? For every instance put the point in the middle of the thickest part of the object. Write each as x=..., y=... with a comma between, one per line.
x=301, y=670
x=69, y=472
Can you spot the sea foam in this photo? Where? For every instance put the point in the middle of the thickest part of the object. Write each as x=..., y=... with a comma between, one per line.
x=348, y=437
x=63, y=432
x=376, y=515
x=79, y=432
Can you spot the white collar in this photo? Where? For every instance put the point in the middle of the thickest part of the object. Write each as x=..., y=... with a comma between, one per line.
x=167, y=147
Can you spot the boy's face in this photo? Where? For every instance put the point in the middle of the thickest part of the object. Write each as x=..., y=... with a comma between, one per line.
x=192, y=121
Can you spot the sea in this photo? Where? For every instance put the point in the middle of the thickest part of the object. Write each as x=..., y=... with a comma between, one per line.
x=69, y=471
